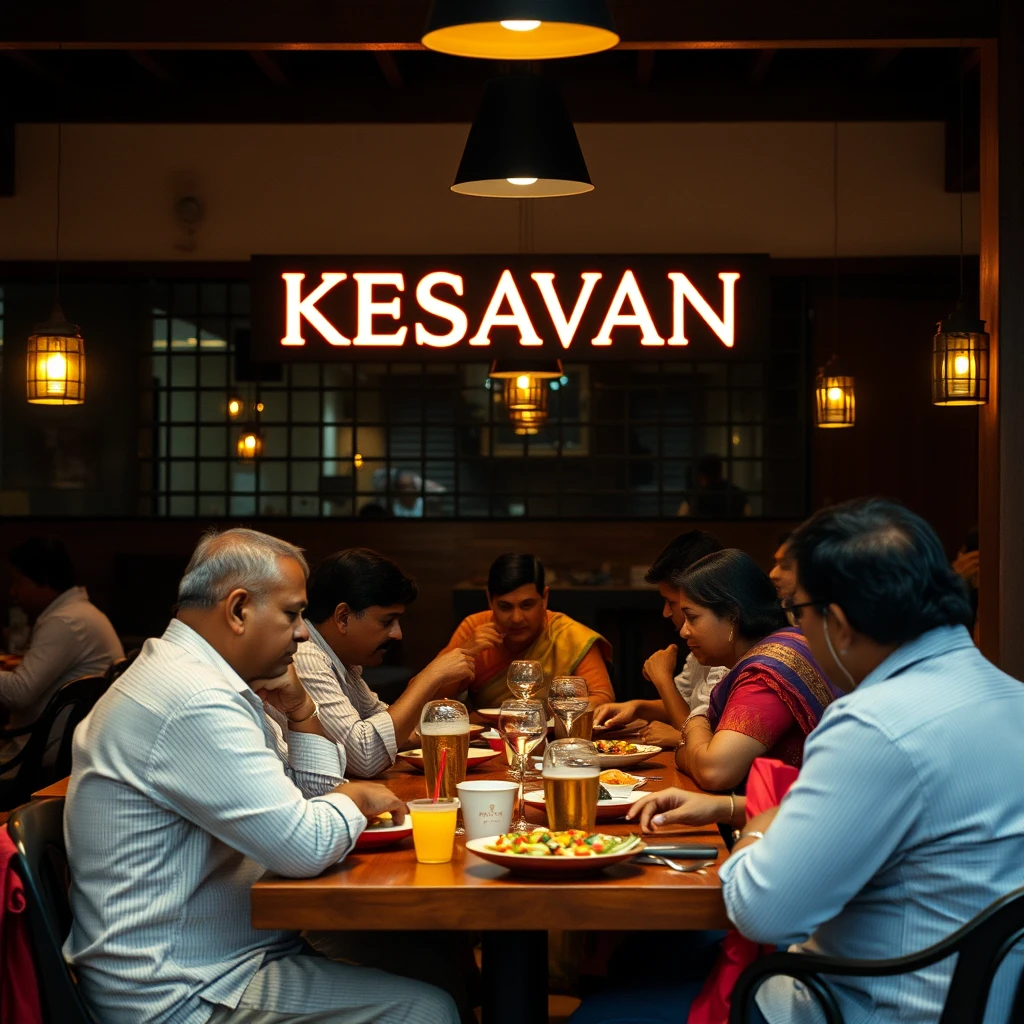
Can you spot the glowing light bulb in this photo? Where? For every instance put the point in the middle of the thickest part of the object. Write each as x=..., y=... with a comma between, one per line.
x=961, y=366
x=56, y=374
x=357, y=461
x=835, y=394
x=523, y=382
x=234, y=407
x=520, y=25
x=521, y=181
x=250, y=441
x=259, y=407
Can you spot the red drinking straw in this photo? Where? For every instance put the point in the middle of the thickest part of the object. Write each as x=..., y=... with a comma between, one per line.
x=440, y=775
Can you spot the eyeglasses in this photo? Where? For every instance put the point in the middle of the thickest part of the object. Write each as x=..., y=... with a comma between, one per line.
x=794, y=612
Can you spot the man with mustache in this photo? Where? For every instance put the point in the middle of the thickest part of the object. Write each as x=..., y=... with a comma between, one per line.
x=356, y=600
x=184, y=791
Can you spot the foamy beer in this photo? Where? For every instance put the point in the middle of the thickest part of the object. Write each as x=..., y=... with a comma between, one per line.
x=444, y=725
x=571, y=783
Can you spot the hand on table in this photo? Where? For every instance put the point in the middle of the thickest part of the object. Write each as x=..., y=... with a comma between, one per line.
x=373, y=799
x=285, y=693
x=616, y=715
x=485, y=636
x=660, y=667
x=660, y=734
x=678, y=807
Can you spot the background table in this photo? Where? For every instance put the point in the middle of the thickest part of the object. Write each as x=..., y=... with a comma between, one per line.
x=384, y=889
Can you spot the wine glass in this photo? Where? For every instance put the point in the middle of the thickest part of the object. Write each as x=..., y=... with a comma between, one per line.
x=525, y=678
x=524, y=724
x=569, y=697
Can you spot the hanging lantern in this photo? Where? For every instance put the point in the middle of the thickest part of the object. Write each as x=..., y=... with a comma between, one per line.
x=522, y=144
x=55, y=363
x=250, y=443
x=960, y=360
x=519, y=29
x=834, y=399
x=526, y=393
x=527, y=422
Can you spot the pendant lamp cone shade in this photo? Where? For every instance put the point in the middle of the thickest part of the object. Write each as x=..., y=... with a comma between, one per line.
x=960, y=360
x=522, y=144
x=519, y=29
x=543, y=369
x=55, y=363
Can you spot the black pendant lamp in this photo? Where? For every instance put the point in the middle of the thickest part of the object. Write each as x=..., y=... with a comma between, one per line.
x=522, y=143
x=961, y=343
x=519, y=29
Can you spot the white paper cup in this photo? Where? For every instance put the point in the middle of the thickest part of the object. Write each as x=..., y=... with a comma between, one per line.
x=487, y=807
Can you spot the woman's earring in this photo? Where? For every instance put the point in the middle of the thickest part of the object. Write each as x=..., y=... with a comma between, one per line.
x=732, y=630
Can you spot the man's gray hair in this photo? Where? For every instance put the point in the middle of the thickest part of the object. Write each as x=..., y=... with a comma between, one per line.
x=223, y=562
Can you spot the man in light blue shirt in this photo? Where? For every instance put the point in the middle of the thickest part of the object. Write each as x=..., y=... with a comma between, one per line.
x=907, y=819
x=183, y=791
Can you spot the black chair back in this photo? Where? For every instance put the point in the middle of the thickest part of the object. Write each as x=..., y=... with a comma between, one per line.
x=68, y=706
x=119, y=667
x=980, y=946
x=37, y=830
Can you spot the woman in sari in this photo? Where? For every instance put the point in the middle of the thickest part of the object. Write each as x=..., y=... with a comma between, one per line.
x=774, y=693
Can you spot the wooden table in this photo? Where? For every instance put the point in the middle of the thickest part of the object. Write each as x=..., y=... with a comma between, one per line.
x=58, y=788
x=375, y=891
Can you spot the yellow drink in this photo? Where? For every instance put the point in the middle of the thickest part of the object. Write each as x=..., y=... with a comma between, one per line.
x=433, y=829
x=570, y=798
x=582, y=727
x=450, y=736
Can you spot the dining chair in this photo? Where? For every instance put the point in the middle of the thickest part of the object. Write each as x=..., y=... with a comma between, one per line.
x=66, y=708
x=980, y=946
x=37, y=830
x=119, y=667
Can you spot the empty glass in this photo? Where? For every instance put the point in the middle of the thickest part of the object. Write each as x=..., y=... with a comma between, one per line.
x=525, y=678
x=524, y=724
x=569, y=697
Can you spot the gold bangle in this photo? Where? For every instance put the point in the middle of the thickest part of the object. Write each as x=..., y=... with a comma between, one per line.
x=732, y=807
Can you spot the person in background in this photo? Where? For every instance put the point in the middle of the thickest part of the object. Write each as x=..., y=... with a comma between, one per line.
x=774, y=692
x=905, y=818
x=184, y=791
x=70, y=636
x=783, y=574
x=519, y=626
x=716, y=497
x=694, y=682
x=966, y=567
x=356, y=600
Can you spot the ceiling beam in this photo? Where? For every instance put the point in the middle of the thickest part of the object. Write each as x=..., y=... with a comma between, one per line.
x=270, y=66
x=155, y=67
x=389, y=69
x=760, y=65
x=32, y=66
x=398, y=24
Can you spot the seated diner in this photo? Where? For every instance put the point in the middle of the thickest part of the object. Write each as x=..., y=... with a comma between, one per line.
x=519, y=626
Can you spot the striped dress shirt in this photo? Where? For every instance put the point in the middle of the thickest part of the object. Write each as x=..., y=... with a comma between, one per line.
x=182, y=792
x=907, y=821
x=350, y=712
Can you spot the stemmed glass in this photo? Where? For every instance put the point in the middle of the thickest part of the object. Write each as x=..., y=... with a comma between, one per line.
x=569, y=697
x=524, y=724
x=525, y=678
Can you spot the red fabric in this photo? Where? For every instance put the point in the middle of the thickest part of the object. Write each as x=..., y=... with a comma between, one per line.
x=19, y=993
x=767, y=784
x=755, y=709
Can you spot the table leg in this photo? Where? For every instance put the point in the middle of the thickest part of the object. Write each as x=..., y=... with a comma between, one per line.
x=515, y=977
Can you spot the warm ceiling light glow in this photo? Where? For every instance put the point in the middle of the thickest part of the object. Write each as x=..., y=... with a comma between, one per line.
x=234, y=407
x=834, y=399
x=961, y=366
x=357, y=460
x=835, y=394
x=522, y=143
x=519, y=29
x=250, y=444
x=522, y=382
x=55, y=363
x=259, y=407
x=960, y=360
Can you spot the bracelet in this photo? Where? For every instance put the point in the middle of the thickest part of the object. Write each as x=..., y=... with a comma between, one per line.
x=751, y=835
x=732, y=807
x=314, y=714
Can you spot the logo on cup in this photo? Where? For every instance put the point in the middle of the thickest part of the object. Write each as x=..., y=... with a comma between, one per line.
x=490, y=814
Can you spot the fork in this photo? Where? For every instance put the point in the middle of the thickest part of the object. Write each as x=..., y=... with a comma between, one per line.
x=681, y=868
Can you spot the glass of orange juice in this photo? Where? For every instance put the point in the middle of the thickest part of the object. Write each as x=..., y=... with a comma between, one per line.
x=433, y=829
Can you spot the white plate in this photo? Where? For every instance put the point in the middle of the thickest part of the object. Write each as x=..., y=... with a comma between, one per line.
x=527, y=865
x=607, y=810
x=644, y=753
x=476, y=757
x=382, y=836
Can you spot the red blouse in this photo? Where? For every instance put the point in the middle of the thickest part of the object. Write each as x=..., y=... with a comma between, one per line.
x=756, y=710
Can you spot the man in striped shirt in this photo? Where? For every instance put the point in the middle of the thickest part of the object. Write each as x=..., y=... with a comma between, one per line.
x=356, y=600
x=183, y=791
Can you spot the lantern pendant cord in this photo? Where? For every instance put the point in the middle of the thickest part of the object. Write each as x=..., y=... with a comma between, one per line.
x=835, y=238
x=60, y=147
x=960, y=55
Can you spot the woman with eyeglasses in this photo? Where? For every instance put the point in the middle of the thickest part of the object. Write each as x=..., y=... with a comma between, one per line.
x=774, y=693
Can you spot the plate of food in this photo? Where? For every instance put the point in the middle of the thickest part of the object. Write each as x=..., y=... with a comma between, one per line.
x=610, y=808
x=542, y=852
x=620, y=783
x=382, y=831
x=622, y=753
x=475, y=757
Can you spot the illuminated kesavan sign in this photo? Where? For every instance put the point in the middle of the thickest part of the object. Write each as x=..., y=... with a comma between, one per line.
x=570, y=307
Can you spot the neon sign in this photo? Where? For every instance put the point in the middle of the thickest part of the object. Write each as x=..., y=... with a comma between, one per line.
x=416, y=307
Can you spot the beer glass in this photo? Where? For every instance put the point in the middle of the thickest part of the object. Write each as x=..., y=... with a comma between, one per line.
x=572, y=771
x=444, y=725
x=569, y=697
x=523, y=723
x=525, y=678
